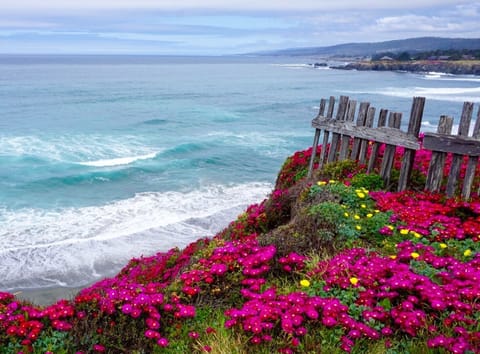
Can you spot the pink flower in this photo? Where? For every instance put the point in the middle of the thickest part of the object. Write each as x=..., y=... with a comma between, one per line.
x=149, y=333
x=163, y=342
x=193, y=335
x=98, y=348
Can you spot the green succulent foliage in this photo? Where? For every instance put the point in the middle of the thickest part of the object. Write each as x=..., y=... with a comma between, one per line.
x=369, y=181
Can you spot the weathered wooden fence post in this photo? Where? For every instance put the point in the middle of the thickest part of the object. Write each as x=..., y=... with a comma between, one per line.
x=345, y=139
x=341, y=111
x=326, y=133
x=462, y=147
x=414, y=125
x=472, y=163
x=437, y=161
x=362, y=155
x=361, y=118
x=321, y=111
x=382, y=121
x=394, y=121
x=457, y=159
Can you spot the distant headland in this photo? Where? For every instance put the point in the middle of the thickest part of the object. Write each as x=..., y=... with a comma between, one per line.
x=456, y=67
x=460, y=56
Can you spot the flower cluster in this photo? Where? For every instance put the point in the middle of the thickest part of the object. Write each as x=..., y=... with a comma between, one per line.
x=432, y=215
x=410, y=269
x=295, y=166
x=292, y=262
x=397, y=297
x=25, y=322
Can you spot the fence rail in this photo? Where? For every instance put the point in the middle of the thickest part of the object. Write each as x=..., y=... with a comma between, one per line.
x=345, y=137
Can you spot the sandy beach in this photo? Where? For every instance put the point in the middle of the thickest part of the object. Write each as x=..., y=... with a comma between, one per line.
x=47, y=296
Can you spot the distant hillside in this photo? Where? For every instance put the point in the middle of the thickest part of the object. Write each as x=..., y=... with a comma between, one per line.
x=421, y=44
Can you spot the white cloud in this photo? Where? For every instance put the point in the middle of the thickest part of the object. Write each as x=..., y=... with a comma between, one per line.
x=469, y=10
x=225, y=26
x=219, y=5
x=414, y=22
x=7, y=23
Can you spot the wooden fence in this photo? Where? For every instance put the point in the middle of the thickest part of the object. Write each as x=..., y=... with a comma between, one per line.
x=345, y=137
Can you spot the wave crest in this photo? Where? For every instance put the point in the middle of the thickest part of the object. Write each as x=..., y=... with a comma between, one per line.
x=118, y=161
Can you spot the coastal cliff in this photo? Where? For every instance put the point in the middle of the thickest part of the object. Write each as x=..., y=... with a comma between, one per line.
x=335, y=262
x=456, y=67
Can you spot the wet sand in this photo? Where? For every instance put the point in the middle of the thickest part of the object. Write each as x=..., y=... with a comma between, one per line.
x=47, y=296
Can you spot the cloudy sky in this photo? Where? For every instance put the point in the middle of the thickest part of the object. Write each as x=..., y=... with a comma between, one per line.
x=215, y=27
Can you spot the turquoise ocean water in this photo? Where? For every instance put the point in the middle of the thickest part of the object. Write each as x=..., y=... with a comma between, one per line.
x=107, y=158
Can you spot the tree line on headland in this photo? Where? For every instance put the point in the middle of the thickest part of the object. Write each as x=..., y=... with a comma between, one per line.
x=450, y=62
x=439, y=54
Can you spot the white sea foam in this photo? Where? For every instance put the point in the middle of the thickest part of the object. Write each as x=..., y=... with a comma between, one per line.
x=433, y=75
x=450, y=94
x=301, y=66
x=271, y=144
x=95, y=149
x=118, y=161
x=450, y=77
x=293, y=65
x=77, y=245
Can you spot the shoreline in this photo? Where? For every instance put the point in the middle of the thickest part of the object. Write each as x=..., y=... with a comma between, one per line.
x=47, y=296
x=461, y=67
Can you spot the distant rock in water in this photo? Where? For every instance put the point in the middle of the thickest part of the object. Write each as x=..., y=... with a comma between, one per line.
x=318, y=65
x=460, y=67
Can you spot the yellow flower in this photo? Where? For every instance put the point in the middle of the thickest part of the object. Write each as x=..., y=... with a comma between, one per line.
x=404, y=231
x=332, y=181
x=443, y=245
x=415, y=234
x=353, y=281
x=393, y=256
x=361, y=195
x=363, y=206
x=369, y=215
x=390, y=227
x=346, y=214
x=356, y=217
x=467, y=253
x=321, y=183
x=305, y=283
x=358, y=227
x=414, y=255
x=377, y=210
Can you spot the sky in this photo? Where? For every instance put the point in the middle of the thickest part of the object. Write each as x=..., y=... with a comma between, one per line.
x=222, y=27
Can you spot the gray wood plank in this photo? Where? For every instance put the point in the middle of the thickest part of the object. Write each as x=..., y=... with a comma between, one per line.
x=394, y=121
x=361, y=118
x=316, y=137
x=458, y=157
x=471, y=164
x=414, y=125
x=382, y=120
x=334, y=144
x=385, y=135
x=362, y=155
x=451, y=144
x=345, y=139
x=326, y=133
x=437, y=162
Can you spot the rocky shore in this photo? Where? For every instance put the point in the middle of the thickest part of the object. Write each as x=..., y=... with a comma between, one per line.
x=460, y=67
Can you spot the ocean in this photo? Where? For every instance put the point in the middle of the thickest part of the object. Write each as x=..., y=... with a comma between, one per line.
x=106, y=158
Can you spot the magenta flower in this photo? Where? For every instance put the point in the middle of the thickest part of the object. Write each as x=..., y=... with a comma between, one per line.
x=163, y=342
x=99, y=348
